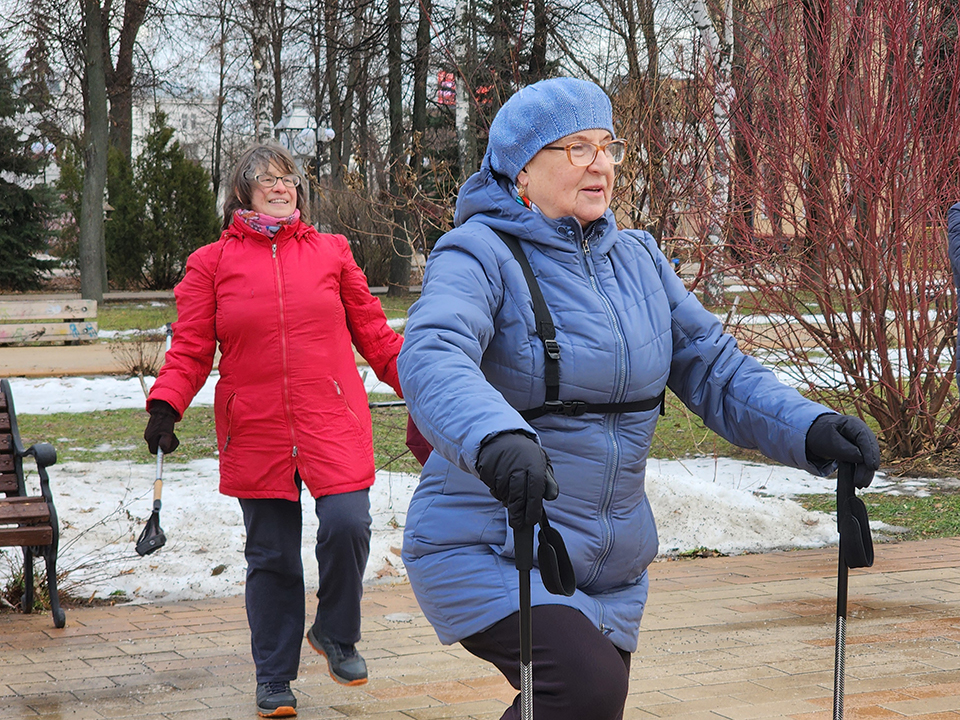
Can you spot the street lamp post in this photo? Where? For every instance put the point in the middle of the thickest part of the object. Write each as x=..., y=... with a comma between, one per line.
x=297, y=133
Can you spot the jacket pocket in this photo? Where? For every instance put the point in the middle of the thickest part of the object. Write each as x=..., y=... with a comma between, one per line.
x=228, y=411
x=342, y=398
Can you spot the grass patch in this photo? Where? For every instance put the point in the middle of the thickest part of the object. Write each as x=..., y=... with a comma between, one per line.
x=389, y=436
x=116, y=435
x=935, y=516
x=141, y=316
x=155, y=314
x=396, y=306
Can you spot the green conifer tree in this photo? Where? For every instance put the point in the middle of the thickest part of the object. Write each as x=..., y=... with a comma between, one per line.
x=123, y=232
x=24, y=205
x=179, y=207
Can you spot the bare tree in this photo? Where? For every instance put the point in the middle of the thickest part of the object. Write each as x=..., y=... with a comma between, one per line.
x=719, y=53
x=421, y=68
x=400, y=265
x=93, y=275
x=859, y=288
x=120, y=73
x=465, y=53
x=259, y=29
x=278, y=36
x=537, y=66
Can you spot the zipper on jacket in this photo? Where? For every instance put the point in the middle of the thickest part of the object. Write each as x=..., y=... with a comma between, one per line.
x=284, y=359
x=612, y=318
x=343, y=397
x=606, y=501
x=229, y=410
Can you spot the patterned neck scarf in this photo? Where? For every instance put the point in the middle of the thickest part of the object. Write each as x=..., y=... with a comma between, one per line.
x=264, y=224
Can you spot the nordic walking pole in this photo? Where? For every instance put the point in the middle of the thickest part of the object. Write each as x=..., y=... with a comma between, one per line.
x=856, y=551
x=523, y=548
x=841, y=641
x=152, y=537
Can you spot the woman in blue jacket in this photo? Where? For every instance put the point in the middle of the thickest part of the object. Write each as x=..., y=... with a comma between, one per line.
x=625, y=329
x=953, y=236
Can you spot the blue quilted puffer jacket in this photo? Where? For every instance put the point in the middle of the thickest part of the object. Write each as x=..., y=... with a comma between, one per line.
x=471, y=359
x=953, y=248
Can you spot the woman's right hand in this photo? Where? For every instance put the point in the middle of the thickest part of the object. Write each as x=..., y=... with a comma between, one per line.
x=519, y=474
x=159, y=432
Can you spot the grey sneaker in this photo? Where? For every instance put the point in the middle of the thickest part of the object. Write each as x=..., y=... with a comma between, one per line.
x=343, y=661
x=275, y=700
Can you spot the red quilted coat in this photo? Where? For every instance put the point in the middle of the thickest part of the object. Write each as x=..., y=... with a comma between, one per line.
x=284, y=312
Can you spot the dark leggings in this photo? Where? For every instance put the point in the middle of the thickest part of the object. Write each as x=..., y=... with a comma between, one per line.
x=577, y=672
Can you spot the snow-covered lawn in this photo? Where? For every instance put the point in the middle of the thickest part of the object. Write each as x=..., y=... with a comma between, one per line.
x=717, y=503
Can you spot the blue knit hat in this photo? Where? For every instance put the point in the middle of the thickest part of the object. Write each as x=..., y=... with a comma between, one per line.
x=542, y=113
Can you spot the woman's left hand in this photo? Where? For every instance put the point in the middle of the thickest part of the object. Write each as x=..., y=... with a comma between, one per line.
x=846, y=439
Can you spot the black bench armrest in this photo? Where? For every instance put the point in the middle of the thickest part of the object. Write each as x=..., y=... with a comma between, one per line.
x=45, y=455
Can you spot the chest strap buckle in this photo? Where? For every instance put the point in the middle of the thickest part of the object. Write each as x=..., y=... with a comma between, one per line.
x=571, y=408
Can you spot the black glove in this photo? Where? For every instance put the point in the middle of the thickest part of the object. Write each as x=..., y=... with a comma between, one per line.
x=846, y=439
x=159, y=432
x=519, y=474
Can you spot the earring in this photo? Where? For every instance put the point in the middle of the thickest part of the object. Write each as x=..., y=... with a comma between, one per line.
x=522, y=195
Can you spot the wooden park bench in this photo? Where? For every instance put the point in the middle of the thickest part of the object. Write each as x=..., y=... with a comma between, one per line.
x=24, y=322
x=27, y=521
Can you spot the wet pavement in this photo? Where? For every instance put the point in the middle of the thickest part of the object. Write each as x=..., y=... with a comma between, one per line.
x=730, y=637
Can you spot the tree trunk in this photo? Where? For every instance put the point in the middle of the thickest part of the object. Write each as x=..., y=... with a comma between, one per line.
x=215, y=169
x=260, y=41
x=538, y=50
x=742, y=197
x=278, y=18
x=719, y=54
x=93, y=278
x=120, y=78
x=815, y=24
x=332, y=31
x=659, y=202
x=400, y=261
x=466, y=129
x=316, y=42
x=354, y=78
x=421, y=66
x=503, y=61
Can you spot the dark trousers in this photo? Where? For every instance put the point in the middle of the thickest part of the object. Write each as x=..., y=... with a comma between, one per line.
x=275, y=588
x=577, y=672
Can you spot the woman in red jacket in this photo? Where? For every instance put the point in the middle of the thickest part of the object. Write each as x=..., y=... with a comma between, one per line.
x=284, y=303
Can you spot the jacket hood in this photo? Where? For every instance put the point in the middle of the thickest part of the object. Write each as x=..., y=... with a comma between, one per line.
x=489, y=197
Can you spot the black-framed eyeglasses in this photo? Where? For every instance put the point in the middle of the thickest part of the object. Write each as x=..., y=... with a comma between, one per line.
x=267, y=181
x=582, y=153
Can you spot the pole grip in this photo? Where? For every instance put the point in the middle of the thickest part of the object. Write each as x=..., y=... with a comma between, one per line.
x=523, y=547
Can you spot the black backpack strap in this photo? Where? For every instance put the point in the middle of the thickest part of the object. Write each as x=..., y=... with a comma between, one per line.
x=543, y=321
x=547, y=333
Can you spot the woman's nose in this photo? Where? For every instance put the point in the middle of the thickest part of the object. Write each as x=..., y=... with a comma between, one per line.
x=601, y=163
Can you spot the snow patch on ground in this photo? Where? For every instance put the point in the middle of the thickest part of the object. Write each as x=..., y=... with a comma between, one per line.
x=716, y=503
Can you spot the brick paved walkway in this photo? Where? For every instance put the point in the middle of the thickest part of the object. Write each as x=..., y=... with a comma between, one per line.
x=738, y=638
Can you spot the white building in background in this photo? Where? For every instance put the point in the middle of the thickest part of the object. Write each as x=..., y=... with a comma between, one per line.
x=192, y=119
